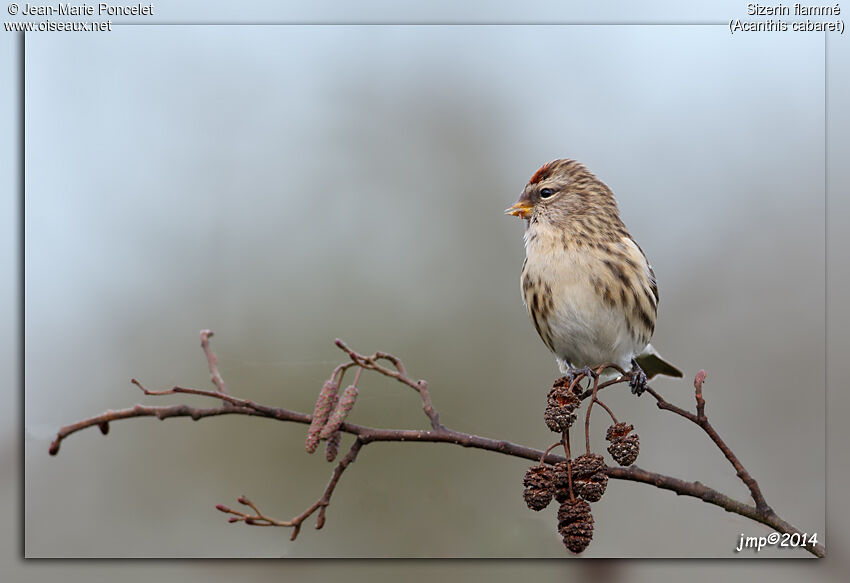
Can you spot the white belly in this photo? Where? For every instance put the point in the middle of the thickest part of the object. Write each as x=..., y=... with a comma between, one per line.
x=581, y=329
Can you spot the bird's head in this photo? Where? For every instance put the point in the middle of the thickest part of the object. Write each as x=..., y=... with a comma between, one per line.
x=563, y=190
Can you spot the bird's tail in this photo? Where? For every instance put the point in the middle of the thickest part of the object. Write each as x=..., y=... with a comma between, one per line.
x=653, y=364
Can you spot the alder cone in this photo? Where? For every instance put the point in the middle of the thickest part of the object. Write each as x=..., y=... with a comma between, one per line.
x=589, y=477
x=575, y=524
x=538, y=487
x=561, y=407
x=624, y=448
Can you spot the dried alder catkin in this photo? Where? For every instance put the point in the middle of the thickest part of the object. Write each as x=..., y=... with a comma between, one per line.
x=561, y=481
x=589, y=477
x=538, y=487
x=575, y=523
x=561, y=406
x=624, y=448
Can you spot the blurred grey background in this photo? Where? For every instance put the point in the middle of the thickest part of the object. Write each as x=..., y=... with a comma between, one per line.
x=285, y=185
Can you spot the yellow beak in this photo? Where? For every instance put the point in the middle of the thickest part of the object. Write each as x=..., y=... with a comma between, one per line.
x=521, y=209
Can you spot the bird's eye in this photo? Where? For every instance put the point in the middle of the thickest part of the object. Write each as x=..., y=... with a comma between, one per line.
x=546, y=192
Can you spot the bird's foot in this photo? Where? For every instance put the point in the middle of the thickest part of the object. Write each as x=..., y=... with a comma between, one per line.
x=575, y=373
x=638, y=381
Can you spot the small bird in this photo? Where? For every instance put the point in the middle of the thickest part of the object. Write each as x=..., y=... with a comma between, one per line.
x=589, y=288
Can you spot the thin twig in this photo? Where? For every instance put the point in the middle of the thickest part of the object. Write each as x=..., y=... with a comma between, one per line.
x=610, y=412
x=701, y=420
x=548, y=449
x=340, y=370
x=399, y=374
x=261, y=519
x=593, y=400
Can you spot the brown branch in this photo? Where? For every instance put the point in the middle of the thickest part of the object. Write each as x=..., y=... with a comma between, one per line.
x=706, y=494
x=260, y=519
x=438, y=433
x=701, y=420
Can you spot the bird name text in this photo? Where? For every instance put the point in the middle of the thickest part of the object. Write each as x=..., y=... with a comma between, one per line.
x=794, y=24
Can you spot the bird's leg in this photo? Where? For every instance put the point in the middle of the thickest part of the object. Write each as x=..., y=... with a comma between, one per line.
x=638, y=381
